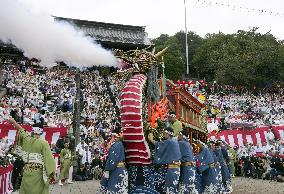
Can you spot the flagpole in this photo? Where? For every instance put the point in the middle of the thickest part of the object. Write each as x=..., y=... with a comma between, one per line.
x=186, y=43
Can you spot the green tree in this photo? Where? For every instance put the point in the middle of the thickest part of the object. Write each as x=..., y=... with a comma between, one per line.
x=175, y=57
x=245, y=58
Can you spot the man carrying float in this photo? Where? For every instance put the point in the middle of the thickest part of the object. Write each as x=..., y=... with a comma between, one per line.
x=115, y=178
x=167, y=153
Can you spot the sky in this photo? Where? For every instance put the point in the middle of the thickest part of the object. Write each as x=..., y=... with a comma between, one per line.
x=168, y=16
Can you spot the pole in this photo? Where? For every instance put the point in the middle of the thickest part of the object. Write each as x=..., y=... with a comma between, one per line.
x=186, y=43
x=77, y=109
x=163, y=81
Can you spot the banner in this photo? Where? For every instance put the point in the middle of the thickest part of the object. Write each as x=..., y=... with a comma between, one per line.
x=239, y=137
x=50, y=134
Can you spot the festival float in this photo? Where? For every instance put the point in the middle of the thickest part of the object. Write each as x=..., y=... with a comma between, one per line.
x=145, y=101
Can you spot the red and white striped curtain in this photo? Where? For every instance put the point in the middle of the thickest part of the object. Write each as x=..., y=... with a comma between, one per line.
x=256, y=136
x=50, y=134
x=5, y=179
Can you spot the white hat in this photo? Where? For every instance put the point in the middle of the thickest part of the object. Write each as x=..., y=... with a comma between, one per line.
x=37, y=130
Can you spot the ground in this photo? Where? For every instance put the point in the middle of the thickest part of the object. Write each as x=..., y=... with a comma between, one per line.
x=240, y=185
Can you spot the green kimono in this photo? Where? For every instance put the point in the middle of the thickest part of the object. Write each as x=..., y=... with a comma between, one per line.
x=65, y=160
x=233, y=160
x=35, y=151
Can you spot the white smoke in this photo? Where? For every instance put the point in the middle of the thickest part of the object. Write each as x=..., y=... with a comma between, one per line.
x=39, y=36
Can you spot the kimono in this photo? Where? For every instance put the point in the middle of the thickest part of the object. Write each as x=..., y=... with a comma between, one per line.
x=187, y=170
x=220, y=186
x=166, y=153
x=226, y=176
x=117, y=182
x=65, y=160
x=207, y=175
x=40, y=163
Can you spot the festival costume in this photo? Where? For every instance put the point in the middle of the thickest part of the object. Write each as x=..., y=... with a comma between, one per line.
x=207, y=176
x=187, y=169
x=116, y=182
x=226, y=176
x=166, y=153
x=40, y=163
x=65, y=160
x=220, y=186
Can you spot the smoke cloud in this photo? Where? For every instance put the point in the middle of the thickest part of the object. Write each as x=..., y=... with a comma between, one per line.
x=39, y=36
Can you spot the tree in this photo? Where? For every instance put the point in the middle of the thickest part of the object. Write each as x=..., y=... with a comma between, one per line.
x=175, y=56
x=245, y=58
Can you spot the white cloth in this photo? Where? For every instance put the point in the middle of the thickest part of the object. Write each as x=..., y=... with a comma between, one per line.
x=79, y=147
x=86, y=156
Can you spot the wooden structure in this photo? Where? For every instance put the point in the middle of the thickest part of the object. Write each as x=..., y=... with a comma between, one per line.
x=188, y=110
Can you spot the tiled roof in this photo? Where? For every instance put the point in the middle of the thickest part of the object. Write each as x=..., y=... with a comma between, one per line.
x=107, y=32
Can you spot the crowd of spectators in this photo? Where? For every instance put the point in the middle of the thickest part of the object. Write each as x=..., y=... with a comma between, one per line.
x=99, y=110
x=241, y=108
x=259, y=161
x=38, y=96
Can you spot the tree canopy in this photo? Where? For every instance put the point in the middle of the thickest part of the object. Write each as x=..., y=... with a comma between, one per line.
x=246, y=58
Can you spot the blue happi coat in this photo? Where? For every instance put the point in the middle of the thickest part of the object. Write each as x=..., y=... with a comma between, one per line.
x=223, y=156
x=207, y=182
x=167, y=152
x=218, y=171
x=117, y=182
x=187, y=173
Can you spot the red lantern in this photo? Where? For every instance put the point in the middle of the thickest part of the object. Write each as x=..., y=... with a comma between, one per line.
x=183, y=82
x=178, y=82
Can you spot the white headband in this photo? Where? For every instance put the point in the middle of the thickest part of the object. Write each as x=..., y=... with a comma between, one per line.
x=169, y=132
x=37, y=130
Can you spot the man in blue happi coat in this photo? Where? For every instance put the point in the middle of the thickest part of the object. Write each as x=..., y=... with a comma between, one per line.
x=167, y=153
x=221, y=154
x=207, y=175
x=212, y=148
x=187, y=169
x=115, y=178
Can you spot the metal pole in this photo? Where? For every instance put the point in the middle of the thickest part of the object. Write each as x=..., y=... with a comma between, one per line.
x=186, y=43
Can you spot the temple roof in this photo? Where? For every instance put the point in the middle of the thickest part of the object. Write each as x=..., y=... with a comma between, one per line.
x=111, y=33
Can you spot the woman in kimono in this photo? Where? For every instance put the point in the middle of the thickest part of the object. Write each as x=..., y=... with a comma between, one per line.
x=167, y=153
x=39, y=163
x=65, y=160
x=206, y=169
x=115, y=177
x=226, y=177
x=187, y=169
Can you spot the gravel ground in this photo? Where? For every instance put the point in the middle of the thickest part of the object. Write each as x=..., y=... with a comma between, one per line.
x=256, y=186
x=240, y=185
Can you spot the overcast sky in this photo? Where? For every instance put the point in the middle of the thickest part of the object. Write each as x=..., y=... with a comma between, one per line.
x=167, y=16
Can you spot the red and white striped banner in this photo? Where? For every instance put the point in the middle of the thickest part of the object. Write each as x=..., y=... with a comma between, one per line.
x=5, y=179
x=256, y=136
x=50, y=134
